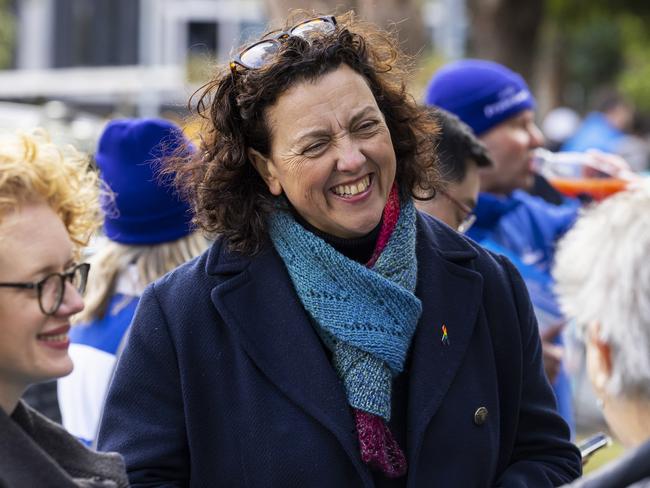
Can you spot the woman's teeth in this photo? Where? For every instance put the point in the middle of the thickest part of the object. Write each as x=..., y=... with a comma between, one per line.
x=53, y=338
x=351, y=190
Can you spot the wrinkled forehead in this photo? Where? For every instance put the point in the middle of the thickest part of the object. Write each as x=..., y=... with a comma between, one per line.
x=339, y=95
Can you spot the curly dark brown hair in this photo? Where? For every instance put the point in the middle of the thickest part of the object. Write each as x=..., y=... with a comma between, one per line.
x=228, y=195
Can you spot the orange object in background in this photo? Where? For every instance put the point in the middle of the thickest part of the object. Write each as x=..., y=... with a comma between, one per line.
x=597, y=188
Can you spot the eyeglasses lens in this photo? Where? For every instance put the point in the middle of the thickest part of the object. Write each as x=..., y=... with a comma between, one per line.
x=315, y=25
x=53, y=287
x=79, y=278
x=51, y=293
x=258, y=55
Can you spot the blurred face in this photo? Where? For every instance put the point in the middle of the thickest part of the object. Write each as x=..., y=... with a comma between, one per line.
x=446, y=207
x=511, y=145
x=621, y=116
x=33, y=347
x=331, y=153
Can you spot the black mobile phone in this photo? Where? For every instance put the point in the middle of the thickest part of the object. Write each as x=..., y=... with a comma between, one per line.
x=591, y=444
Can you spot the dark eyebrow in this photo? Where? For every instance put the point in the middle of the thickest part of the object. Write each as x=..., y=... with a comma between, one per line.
x=311, y=135
x=367, y=110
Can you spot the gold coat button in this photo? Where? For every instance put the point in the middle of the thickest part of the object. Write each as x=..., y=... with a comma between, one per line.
x=480, y=416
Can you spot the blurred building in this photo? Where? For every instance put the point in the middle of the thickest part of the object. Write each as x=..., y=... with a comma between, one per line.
x=139, y=57
x=120, y=53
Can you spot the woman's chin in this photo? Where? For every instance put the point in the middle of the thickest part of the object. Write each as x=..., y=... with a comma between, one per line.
x=56, y=369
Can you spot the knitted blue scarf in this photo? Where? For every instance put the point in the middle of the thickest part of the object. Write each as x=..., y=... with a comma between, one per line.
x=365, y=316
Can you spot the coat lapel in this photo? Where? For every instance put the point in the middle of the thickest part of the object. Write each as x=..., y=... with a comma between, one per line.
x=259, y=304
x=451, y=296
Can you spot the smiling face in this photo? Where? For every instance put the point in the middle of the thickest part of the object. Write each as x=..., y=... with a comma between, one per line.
x=510, y=145
x=33, y=347
x=331, y=153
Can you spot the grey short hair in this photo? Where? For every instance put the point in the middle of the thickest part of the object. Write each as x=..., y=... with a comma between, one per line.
x=602, y=273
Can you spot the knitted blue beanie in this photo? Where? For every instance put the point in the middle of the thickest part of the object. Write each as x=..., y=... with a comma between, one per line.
x=481, y=93
x=144, y=210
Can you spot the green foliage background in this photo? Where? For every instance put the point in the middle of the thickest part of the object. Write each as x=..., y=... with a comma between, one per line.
x=607, y=44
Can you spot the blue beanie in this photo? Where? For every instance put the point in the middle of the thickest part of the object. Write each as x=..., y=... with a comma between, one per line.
x=481, y=93
x=144, y=210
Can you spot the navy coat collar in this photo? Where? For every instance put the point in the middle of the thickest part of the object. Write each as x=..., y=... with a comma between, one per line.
x=287, y=350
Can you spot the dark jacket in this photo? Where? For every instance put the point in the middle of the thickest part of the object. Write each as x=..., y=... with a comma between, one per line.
x=35, y=452
x=631, y=470
x=526, y=229
x=44, y=398
x=224, y=381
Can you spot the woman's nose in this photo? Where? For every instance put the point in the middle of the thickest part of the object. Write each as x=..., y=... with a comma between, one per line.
x=72, y=302
x=350, y=156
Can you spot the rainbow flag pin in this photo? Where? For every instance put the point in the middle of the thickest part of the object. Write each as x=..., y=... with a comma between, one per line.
x=445, y=336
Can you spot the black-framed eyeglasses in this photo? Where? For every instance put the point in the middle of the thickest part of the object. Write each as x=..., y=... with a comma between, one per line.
x=469, y=218
x=261, y=52
x=51, y=289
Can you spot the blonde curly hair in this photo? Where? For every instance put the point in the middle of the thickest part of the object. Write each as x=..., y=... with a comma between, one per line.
x=32, y=168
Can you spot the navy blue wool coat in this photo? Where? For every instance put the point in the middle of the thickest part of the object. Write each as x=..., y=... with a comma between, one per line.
x=224, y=381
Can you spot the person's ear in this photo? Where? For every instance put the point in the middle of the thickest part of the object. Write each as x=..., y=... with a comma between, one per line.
x=267, y=170
x=599, y=357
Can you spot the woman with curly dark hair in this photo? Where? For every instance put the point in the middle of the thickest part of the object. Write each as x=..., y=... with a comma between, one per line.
x=332, y=336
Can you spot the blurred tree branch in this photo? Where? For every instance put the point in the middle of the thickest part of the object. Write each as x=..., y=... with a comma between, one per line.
x=505, y=31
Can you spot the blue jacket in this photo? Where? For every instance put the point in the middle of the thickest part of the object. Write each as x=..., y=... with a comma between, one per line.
x=224, y=381
x=595, y=132
x=526, y=225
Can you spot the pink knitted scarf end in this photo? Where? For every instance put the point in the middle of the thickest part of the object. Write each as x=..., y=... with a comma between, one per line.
x=378, y=447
